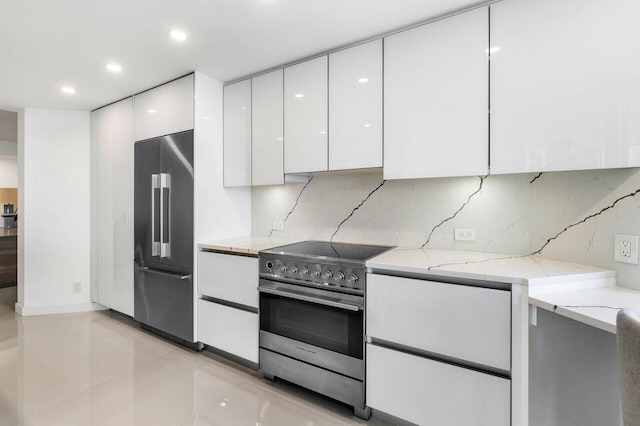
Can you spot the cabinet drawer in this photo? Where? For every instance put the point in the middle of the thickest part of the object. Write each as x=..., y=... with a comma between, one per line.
x=228, y=277
x=428, y=392
x=229, y=329
x=463, y=322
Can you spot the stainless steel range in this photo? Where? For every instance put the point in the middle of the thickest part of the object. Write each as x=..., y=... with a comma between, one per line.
x=312, y=320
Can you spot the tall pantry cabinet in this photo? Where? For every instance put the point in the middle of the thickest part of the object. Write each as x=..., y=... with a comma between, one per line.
x=112, y=202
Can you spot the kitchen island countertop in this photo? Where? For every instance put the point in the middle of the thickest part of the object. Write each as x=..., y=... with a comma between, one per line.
x=8, y=232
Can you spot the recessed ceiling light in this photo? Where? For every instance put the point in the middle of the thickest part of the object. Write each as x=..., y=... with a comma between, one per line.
x=68, y=90
x=113, y=67
x=493, y=49
x=206, y=118
x=322, y=132
x=299, y=95
x=367, y=125
x=178, y=35
x=152, y=111
x=363, y=80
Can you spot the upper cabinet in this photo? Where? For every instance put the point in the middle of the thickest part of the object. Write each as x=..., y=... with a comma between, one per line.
x=165, y=109
x=306, y=116
x=113, y=148
x=266, y=123
x=436, y=99
x=237, y=134
x=355, y=107
x=565, y=85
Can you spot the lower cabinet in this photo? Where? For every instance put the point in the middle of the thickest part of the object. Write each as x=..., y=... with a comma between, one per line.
x=439, y=353
x=231, y=325
x=229, y=329
x=428, y=392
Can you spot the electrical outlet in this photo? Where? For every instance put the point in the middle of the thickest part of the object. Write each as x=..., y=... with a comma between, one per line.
x=626, y=248
x=278, y=225
x=77, y=287
x=464, y=234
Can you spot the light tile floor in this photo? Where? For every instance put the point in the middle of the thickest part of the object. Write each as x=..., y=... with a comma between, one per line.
x=96, y=369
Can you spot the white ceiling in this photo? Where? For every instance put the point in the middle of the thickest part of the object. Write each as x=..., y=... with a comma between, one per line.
x=49, y=43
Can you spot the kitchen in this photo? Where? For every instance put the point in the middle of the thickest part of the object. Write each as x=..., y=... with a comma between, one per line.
x=563, y=204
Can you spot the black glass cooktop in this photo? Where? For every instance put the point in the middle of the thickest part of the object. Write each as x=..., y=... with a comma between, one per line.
x=332, y=250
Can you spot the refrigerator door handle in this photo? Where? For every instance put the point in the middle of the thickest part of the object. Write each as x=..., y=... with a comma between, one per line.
x=155, y=241
x=146, y=269
x=165, y=202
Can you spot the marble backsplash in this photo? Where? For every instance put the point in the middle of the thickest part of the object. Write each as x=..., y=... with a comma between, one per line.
x=356, y=206
x=569, y=216
x=575, y=215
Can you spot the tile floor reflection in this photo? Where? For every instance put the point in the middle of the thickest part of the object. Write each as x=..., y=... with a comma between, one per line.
x=97, y=368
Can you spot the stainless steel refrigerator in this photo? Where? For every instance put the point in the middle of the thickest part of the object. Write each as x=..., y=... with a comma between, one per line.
x=163, y=227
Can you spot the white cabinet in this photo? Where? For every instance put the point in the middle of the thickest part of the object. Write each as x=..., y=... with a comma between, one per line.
x=237, y=134
x=565, y=85
x=165, y=109
x=232, y=330
x=428, y=392
x=436, y=99
x=267, y=132
x=441, y=353
x=305, y=112
x=462, y=322
x=114, y=144
x=228, y=313
x=228, y=277
x=355, y=107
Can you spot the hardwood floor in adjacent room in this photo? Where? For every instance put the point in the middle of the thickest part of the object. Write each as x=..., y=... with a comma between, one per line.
x=99, y=368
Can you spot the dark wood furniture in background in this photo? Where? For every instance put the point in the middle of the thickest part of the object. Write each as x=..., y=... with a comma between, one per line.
x=8, y=257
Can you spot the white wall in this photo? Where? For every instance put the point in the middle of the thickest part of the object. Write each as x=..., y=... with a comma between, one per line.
x=54, y=191
x=8, y=173
x=8, y=148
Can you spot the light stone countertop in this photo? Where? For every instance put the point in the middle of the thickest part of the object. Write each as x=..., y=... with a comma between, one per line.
x=576, y=291
x=596, y=307
x=245, y=245
x=501, y=268
x=583, y=293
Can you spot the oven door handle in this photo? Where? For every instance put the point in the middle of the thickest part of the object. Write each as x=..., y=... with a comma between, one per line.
x=312, y=298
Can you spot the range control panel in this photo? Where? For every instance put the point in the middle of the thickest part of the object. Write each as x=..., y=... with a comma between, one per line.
x=337, y=277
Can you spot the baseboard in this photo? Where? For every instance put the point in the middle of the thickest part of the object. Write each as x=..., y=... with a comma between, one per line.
x=58, y=309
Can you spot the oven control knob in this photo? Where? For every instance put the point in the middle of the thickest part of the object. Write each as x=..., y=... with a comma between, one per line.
x=269, y=265
x=352, y=279
x=326, y=275
x=304, y=272
x=293, y=269
x=315, y=273
x=339, y=276
x=281, y=268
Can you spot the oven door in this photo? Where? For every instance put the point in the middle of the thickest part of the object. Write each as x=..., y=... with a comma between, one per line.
x=320, y=327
